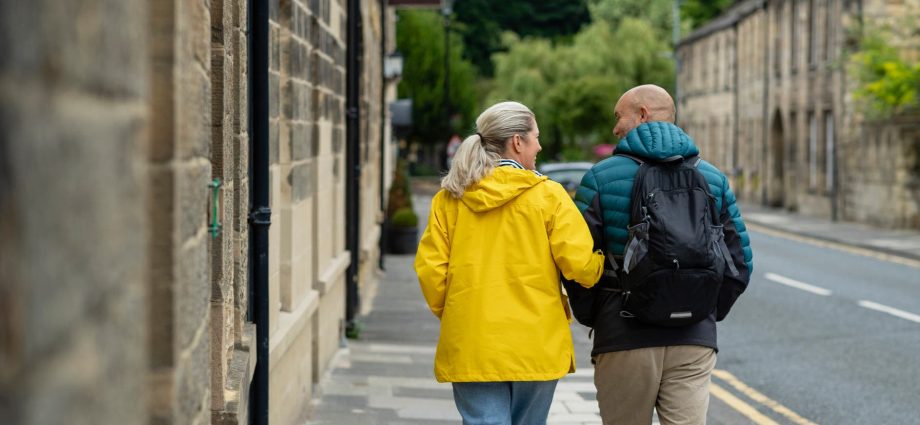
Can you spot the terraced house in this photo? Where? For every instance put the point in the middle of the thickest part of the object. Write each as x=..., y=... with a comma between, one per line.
x=767, y=92
x=191, y=196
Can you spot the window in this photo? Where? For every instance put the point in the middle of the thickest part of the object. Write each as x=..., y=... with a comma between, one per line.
x=828, y=29
x=812, y=150
x=778, y=40
x=794, y=40
x=829, y=149
x=812, y=33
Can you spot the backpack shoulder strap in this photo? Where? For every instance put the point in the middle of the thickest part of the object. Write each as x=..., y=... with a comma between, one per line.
x=632, y=157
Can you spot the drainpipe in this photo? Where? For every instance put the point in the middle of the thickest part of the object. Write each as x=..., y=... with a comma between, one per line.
x=767, y=125
x=352, y=161
x=383, y=127
x=736, y=130
x=260, y=213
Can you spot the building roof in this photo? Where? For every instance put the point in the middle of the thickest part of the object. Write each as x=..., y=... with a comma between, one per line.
x=729, y=18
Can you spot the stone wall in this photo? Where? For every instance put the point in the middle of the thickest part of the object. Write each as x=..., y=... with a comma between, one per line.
x=73, y=227
x=124, y=202
x=799, y=140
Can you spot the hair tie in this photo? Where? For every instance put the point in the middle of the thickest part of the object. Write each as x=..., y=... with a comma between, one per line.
x=481, y=139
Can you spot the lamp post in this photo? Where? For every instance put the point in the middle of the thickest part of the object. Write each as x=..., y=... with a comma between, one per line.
x=446, y=11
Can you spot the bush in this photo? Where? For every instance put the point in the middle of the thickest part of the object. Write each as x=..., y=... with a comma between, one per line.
x=888, y=83
x=400, y=191
x=404, y=217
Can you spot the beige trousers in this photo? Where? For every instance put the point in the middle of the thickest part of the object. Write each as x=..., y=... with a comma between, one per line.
x=673, y=379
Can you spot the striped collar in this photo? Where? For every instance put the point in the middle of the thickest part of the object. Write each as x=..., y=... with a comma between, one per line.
x=512, y=163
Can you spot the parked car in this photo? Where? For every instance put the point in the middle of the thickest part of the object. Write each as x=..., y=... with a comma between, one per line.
x=568, y=174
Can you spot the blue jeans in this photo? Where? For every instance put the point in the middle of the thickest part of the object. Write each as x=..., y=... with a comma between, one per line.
x=504, y=403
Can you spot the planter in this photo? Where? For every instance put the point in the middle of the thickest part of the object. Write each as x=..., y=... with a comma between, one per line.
x=402, y=240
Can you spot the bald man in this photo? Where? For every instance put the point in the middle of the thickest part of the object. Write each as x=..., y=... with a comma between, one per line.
x=641, y=366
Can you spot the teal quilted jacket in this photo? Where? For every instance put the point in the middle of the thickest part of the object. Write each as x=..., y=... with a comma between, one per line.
x=612, y=180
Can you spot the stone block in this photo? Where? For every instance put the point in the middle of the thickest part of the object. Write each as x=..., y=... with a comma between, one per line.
x=274, y=94
x=219, y=344
x=192, y=380
x=291, y=380
x=303, y=177
x=302, y=249
x=192, y=112
x=192, y=292
x=300, y=140
x=274, y=142
x=192, y=197
x=330, y=319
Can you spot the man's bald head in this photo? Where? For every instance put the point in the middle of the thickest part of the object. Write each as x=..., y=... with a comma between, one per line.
x=642, y=104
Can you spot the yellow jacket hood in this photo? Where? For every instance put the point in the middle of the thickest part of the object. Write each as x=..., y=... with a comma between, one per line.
x=498, y=188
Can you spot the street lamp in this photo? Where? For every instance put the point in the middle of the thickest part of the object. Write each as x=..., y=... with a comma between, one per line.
x=392, y=66
x=446, y=11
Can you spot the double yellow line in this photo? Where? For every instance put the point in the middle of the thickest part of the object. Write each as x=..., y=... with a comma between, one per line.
x=746, y=409
x=865, y=252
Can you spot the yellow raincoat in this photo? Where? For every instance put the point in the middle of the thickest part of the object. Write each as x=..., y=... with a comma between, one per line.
x=489, y=265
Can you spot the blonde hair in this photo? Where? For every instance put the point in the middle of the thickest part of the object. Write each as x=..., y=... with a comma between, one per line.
x=477, y=155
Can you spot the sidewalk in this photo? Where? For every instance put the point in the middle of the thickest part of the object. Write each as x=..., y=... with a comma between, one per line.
x=899, y=243
x=387, y=376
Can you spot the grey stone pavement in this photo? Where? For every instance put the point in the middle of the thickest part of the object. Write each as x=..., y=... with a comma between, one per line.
x=386, y=376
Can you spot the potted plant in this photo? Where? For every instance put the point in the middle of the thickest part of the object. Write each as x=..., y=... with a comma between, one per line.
x=402, y=223
x=403, y=231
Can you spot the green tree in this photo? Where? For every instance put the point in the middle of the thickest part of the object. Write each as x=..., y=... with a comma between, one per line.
x=482, y=22
x=888, y=83
x=698, y=12
x=420, y=39
x=572, y=87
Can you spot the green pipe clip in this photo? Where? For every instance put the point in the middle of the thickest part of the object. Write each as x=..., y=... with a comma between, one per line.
x=214, y=226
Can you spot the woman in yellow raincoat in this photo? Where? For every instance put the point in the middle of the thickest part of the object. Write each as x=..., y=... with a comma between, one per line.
x=488, y=264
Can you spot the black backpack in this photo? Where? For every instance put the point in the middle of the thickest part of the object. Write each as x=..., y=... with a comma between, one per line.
x=675, y=255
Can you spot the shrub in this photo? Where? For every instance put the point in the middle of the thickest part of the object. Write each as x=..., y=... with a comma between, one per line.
x=404, y=217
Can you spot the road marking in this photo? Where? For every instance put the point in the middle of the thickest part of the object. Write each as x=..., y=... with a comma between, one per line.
x=760, y=398
x=797, y=285
x=890, y=310
x=742, y=407
x=865, y=252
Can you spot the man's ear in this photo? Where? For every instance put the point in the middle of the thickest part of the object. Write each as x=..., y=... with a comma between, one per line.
x=643, y=114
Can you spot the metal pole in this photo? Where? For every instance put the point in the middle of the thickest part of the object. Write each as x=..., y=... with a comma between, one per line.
x=260, y=213
x=675, y=34
x=352, y=161
x=447, y=67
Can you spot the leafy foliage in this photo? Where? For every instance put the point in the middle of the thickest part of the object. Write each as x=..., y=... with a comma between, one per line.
x=699, y=12
x=482, y=22
x=573, y=87
x=420, y=39
x=404, y=217
x=888, y=84
x=400, y=195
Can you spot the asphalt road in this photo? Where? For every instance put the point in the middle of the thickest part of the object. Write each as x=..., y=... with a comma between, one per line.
x=830, y=336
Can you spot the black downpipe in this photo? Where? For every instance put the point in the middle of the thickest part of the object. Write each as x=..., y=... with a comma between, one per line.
x=352, y=161
x=383, y=133
x=767, y=126
x=260, y=214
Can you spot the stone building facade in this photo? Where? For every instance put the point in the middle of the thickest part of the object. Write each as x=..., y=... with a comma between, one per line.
x=125, y=201
x=765, y=91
